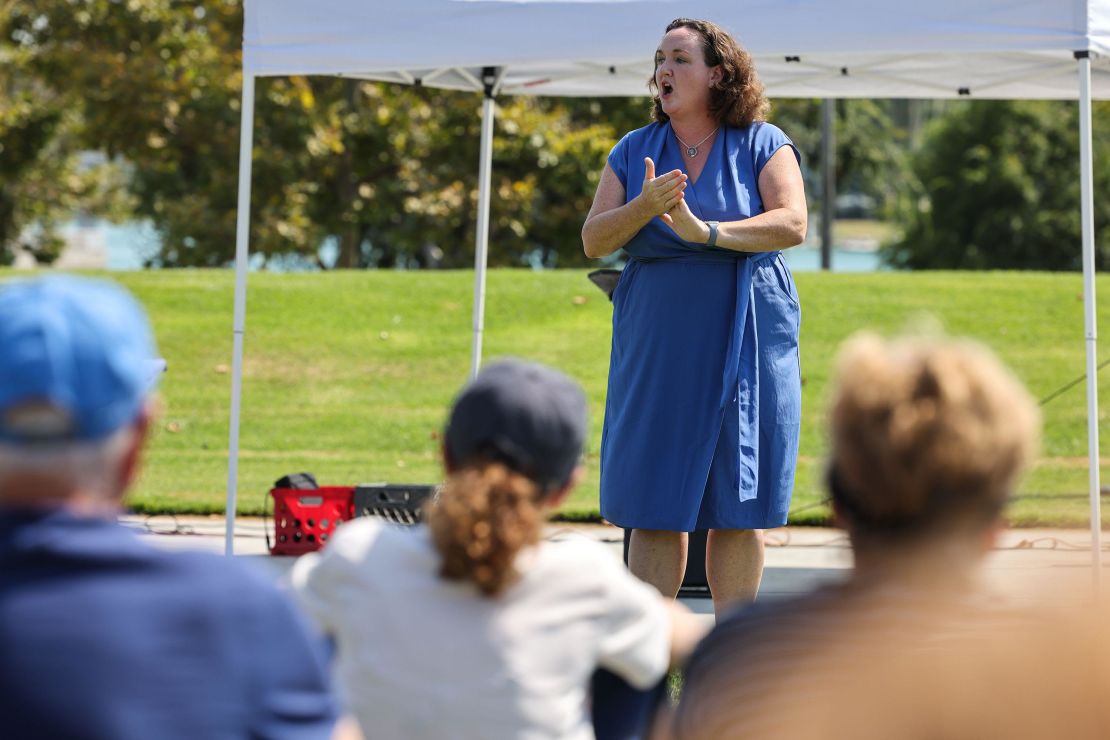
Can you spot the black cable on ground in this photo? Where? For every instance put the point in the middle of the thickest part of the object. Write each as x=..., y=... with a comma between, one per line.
x=1069, y=386
x=178, y=527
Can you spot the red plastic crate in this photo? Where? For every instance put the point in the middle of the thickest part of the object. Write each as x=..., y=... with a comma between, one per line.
x=305, y=519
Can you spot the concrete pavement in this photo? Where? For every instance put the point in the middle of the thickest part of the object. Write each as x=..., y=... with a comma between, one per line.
x=1027, y=566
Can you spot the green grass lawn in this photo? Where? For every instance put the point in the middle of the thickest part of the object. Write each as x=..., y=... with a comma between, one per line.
x=348, y=375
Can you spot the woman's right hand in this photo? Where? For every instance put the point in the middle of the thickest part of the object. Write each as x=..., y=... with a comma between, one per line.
x=660, y=194
x=613, y=221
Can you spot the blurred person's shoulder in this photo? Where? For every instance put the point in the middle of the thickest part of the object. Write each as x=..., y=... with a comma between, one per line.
x=571, y=566
x=98, y=562
x=758, y=665
x=820, y=632
x=768, y=621
x=574, y=553
x=354, y=538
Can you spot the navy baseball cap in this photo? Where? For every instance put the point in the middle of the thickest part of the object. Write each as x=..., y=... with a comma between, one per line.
x=77, y=360
x=526, y=415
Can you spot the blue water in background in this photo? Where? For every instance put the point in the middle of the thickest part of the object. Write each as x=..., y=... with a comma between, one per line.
x=808, y=259
x=128, y=245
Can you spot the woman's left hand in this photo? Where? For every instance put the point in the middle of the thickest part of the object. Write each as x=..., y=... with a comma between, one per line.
x=684, y=223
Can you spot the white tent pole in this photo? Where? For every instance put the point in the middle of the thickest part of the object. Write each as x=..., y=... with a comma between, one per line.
x=1086, y=184
x=481, y=245
x=242, y=233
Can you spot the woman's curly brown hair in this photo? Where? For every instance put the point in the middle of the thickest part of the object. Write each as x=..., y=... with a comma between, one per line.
x=738, y=99
x=482, y=518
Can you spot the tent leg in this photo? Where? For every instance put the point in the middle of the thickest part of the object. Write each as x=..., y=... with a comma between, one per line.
x=481, y=246
x=242, y=234
x=1086, y=180
x=828, y=178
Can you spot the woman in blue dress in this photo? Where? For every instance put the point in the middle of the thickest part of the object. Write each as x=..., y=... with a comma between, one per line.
x=704, y=399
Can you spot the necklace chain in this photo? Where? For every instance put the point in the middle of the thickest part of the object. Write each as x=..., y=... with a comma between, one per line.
x=692, y=151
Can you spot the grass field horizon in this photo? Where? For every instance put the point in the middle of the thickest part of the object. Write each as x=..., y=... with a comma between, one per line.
x=348, y=375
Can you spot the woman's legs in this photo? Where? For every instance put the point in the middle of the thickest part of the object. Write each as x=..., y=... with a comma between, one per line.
x=733, y=566
x=658, y=557
x=733, y=563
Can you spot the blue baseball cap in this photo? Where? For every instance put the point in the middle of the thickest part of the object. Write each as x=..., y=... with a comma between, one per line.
x=526, y=415
x=77, y=360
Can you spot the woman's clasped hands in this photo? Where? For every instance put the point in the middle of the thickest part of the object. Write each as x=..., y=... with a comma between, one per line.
x=664, y=196
x=661, y=194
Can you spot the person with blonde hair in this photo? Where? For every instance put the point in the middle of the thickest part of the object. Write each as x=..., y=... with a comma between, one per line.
x=475, y=626
x=928, y=439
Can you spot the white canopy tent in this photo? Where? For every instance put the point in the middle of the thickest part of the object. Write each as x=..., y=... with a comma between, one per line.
x=1036, y=49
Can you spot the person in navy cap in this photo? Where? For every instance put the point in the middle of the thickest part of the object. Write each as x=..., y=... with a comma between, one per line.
x=101, y=635
x=476, y=626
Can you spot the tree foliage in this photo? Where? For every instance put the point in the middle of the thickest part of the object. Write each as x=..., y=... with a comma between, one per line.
x=27, y=130
x=999, y=189
x=153, y=83
x=870, y=146
x=43, y=181
x=389, y=173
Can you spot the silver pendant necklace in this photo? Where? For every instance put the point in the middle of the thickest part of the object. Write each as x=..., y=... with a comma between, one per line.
x=692, y=151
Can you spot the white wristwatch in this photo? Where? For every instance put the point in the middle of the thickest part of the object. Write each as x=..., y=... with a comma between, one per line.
x=712, y=240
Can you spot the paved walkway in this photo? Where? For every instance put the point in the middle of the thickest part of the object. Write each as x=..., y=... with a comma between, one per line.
x=1028, y=566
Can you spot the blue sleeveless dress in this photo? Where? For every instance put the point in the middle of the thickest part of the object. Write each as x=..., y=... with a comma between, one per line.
x=704, y=400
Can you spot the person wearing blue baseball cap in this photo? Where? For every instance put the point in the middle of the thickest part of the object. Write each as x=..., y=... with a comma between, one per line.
x=476, y=626
x=102, y=635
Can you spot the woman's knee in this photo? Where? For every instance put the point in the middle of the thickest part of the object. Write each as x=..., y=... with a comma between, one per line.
x=735, y=536
x=661, y=537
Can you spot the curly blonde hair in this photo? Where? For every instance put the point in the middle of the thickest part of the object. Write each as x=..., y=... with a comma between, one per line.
x=482, y=518
x=926, y=433
x=738, y=99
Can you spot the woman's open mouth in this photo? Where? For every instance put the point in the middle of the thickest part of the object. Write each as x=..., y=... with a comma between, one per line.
x=665, y=89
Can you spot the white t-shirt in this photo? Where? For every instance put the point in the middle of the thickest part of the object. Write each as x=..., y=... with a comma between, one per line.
x=422, y=657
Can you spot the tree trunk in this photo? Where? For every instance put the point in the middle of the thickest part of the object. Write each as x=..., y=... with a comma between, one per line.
x=350, y=236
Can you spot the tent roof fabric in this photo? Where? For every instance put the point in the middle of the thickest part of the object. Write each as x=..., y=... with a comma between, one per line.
x=803, y=48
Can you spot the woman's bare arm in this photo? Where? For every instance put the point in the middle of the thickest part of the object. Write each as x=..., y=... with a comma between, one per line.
x=611, y=222
x=687, y=629
x=782, y=224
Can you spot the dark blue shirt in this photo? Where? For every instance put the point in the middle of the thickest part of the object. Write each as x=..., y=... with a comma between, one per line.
x=104, y=636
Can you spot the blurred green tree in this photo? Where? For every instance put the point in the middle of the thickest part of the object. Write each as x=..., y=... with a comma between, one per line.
x=27, y=131
x=43, y=181
x=388, y=172
x=999, y=189
x=871, y=153
x=133, y=80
